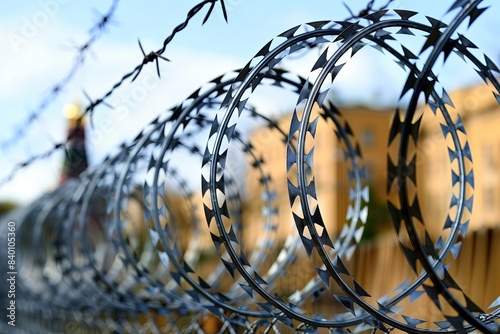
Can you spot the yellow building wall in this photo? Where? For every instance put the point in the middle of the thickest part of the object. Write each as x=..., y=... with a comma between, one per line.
x=329, y=168
x=480, y=115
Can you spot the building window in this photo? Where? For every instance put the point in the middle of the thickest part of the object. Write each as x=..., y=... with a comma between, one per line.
x=368, y=137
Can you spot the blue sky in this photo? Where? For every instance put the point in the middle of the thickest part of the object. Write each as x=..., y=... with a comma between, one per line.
x=38, y=40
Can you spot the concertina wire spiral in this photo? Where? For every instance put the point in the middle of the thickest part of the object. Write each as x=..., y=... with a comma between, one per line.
x=88, y=260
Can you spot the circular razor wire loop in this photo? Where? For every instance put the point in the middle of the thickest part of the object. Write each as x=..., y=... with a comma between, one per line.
x=442, y=281
x=174, y=176
x=85, y=237
x=27, y=268
x=46, y=237
x=449, y=242
x=217, y=159
x=334, y=268
x=47, y=277
x=300, y=165
x=219, y=90
x=95, y=252
x=138, y=279
x=123, y=300
x=168, y=143
x=417, y=282
x=303, y=190
x=122, y=195
x=440, y=102
x=241, y=88
x=78, y=254
x=106, y=278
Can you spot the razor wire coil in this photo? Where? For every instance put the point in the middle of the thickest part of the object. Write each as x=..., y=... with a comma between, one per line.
x=91, y=262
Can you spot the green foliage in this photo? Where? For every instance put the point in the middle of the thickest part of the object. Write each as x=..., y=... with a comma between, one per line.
x=7, y=207
x=378, y=219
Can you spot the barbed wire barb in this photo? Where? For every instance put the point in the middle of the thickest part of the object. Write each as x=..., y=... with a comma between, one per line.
x=212, y=6
x=105, y=19
x=95, y=32
x=154, y=55
x=90, y=108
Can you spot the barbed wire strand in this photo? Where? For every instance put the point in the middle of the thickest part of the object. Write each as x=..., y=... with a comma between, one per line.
x=95, y=32
x=149, y=58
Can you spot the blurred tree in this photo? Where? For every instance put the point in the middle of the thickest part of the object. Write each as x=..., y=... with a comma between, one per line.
x=378, y=219
x=7, y=206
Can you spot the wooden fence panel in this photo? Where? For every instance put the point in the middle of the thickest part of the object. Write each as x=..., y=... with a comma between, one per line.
x=380, y=266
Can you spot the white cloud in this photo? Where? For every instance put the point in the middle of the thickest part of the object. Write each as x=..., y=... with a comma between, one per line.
x=31, y=66
x=187, y=70
x=30, y=183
